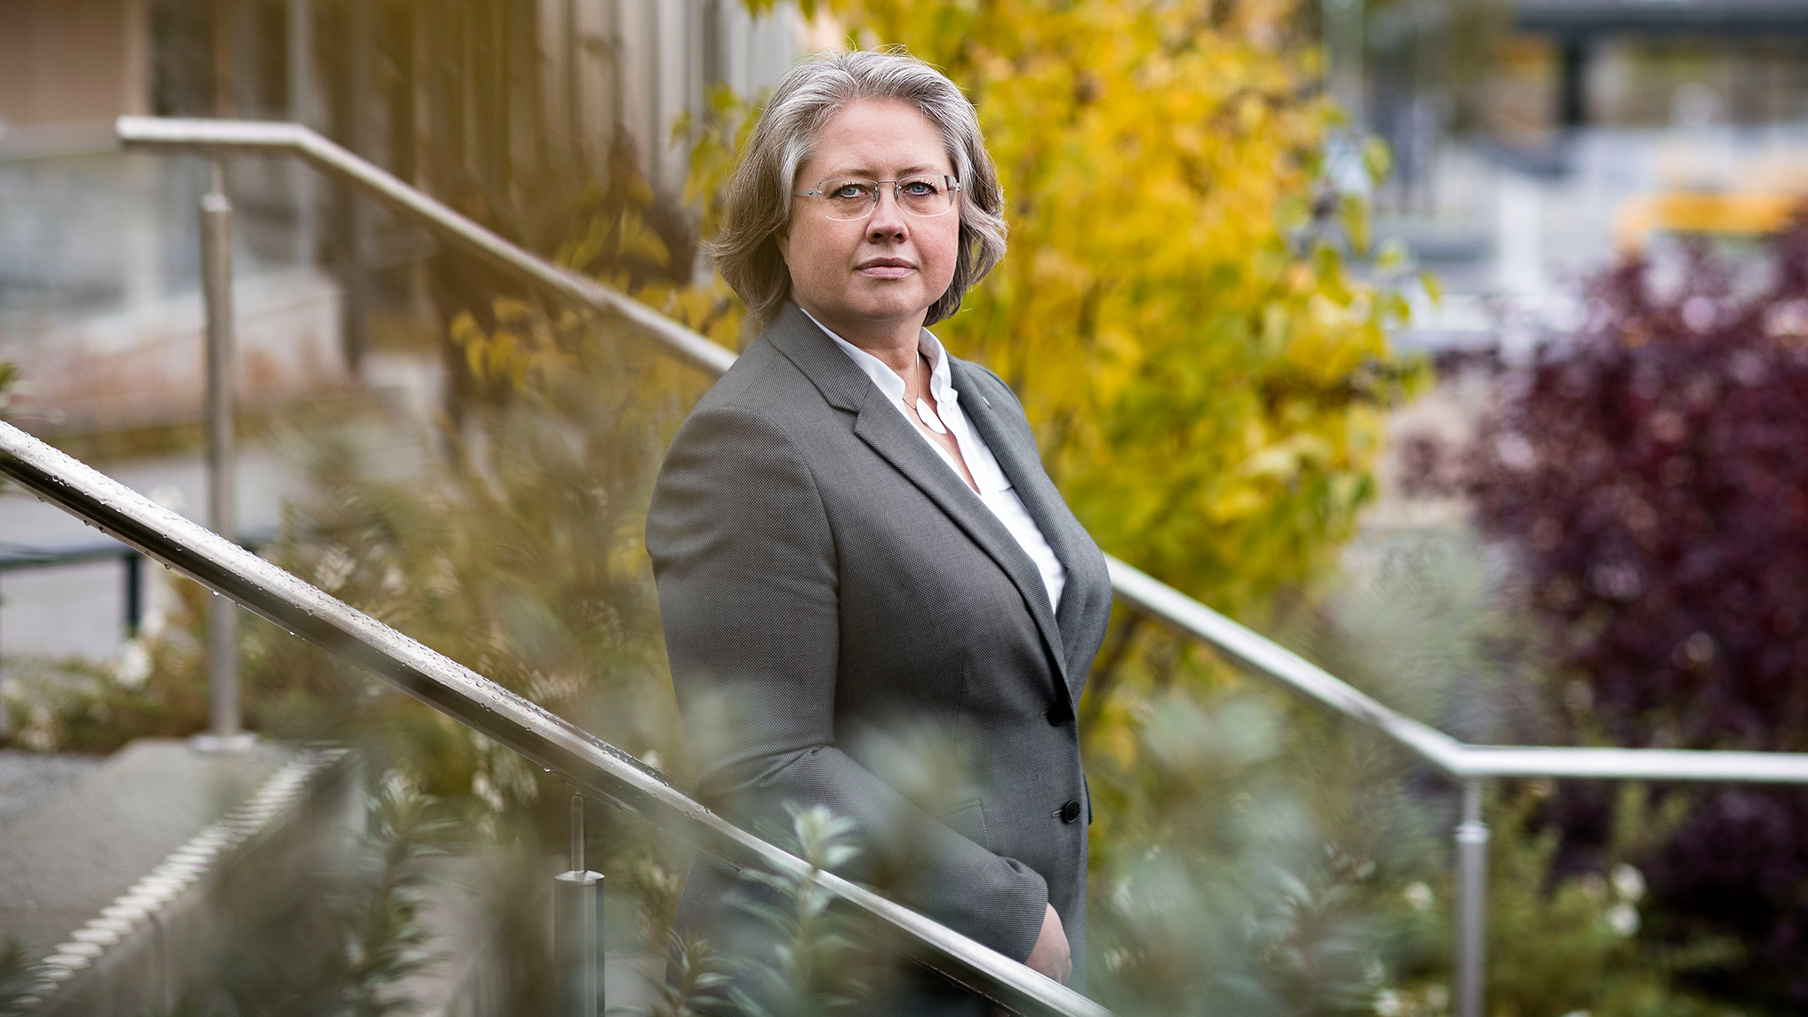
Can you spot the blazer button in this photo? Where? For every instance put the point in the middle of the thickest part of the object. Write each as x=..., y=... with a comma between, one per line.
x=1056, y=715
x=1070, y=812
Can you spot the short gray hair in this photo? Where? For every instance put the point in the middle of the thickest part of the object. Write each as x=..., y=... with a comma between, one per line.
x=758, y=205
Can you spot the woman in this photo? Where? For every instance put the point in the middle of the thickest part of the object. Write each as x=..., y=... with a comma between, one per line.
x=864, y=572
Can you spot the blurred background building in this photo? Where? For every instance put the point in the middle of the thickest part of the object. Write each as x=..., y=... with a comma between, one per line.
x=1534, y=140
x=480, y=102
x=99, y=293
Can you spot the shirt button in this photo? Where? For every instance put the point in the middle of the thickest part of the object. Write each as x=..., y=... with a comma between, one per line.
x=1070, y=812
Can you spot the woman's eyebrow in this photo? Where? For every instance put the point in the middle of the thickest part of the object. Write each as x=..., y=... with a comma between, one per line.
x=867, y=173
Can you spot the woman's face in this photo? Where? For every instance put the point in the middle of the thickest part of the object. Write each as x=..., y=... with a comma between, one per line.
x=866, y=277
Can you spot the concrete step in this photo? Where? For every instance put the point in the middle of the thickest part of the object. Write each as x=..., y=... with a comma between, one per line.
x=109, y=884
x=29, y=779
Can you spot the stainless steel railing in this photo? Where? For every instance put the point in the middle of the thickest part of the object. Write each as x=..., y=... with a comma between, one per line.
x=220, y=136
x=1260, y=656
x=1470, y=765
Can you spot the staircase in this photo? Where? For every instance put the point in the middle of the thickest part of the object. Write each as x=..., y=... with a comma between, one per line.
x=114, y=884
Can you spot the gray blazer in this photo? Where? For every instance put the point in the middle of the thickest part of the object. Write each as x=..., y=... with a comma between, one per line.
x=835, y=601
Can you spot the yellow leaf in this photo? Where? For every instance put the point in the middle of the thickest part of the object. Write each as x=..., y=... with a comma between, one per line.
x=1433, y=287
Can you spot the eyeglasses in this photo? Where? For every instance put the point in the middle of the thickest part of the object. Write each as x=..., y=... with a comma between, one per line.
x=850, y=199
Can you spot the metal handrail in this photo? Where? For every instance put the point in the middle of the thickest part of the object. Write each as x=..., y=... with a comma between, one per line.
x=577, y=756
x=293, y=139
x=1243, y=647
x=1261, y=656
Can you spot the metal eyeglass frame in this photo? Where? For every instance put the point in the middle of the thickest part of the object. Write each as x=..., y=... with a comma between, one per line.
x=897, y=194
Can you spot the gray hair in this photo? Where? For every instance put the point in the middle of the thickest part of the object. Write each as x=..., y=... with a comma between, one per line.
x=758, y=205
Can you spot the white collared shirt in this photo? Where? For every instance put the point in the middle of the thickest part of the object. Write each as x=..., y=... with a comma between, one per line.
x=994, y=487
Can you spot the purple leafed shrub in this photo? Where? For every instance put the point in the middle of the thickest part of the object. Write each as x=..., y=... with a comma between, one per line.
x=1653, y=468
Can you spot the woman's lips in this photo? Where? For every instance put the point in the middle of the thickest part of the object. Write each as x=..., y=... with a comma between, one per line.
x=886, y=269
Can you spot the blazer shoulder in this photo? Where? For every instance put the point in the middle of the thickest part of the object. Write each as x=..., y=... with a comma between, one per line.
x=761, y=376
x=990, y=384
x=763, y=404
x=997, y=396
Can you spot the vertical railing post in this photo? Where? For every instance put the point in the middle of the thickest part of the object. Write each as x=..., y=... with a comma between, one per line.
x=359, y=93
x=577, y=942
x=134, y=592
x=6, y=724
x=300, y=66
x=222, y=460
x=1471, y=904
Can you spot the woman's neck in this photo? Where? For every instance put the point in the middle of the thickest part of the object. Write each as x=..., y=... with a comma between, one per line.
x=893, y=342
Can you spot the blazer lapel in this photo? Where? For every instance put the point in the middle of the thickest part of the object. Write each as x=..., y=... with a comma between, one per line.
x=1021, y=464
x=841, y=383
x=884, y=429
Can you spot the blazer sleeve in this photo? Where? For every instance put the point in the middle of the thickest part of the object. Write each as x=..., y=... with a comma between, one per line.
x=744, y=556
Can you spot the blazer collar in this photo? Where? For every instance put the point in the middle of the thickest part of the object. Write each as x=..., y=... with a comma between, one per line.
x=842, y=384
x=885, y=430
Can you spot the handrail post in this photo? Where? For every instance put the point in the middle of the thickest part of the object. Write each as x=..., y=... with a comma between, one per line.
x=223, y=733
x=133, y=581
x=6, y=726
x=1471, y=904
x=577, y=942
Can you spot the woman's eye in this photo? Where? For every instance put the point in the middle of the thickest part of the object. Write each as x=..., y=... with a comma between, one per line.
x=920, y=188
x=848, y=191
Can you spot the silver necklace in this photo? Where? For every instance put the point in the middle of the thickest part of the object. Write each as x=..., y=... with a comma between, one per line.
x=924, y=412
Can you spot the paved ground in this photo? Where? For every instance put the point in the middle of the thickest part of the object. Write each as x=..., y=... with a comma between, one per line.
x=28, y=779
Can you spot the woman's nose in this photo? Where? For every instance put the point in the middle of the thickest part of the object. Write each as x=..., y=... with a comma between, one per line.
x=888, y=220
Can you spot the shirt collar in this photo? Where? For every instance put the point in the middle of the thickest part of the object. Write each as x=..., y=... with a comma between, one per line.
x=940, y=380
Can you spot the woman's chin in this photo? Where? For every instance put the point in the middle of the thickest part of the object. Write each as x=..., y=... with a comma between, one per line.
x=885, y=308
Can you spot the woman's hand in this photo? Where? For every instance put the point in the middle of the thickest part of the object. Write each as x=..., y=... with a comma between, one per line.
x=1050, y=954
